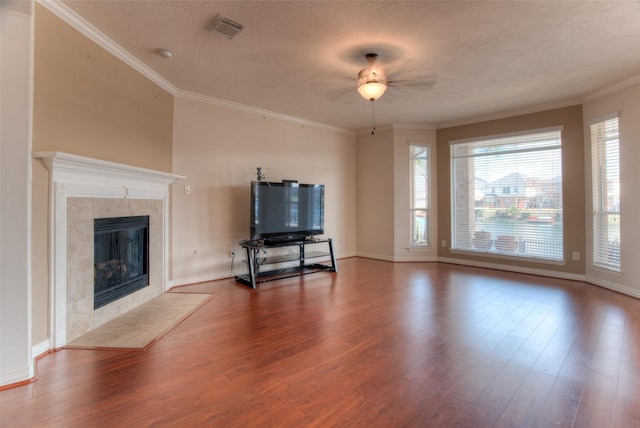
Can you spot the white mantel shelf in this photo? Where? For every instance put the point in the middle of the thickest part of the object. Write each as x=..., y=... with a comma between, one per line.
x=70, y=168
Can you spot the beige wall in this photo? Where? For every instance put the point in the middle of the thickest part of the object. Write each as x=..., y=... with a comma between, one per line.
x=219, y=149
x=384, y=196
x=375, y=185
x=570, y=118
x=626, y=103
x=88, y=103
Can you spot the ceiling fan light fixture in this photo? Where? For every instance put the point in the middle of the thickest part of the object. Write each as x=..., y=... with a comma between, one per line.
x=372, y=90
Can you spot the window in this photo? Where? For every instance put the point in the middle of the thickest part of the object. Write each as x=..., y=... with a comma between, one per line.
x=419, y=182
x=605, y=183
x=525, y=219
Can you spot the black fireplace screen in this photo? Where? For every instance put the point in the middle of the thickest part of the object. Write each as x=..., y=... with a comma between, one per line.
x=121, y=257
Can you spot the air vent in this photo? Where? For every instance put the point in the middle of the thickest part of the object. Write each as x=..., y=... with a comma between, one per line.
x=224, y=27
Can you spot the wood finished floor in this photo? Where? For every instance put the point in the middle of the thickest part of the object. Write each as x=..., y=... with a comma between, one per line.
x=376, y=345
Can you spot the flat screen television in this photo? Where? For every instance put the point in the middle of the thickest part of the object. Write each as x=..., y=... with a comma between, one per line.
x=286, y=211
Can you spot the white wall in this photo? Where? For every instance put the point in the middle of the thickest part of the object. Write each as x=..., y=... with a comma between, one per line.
x=219, y=149
x=16, y=23
x=626, y=102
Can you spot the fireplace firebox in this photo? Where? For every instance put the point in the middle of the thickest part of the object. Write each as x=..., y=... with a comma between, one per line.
x=121, y=257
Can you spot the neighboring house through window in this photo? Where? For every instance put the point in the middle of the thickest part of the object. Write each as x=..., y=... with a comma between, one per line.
x=507, y=194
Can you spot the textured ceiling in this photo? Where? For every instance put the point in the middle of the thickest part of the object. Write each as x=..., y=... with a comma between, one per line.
x=453, y=61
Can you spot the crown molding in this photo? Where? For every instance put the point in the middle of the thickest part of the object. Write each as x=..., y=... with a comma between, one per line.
x=95, y=35
x=608, y=90
x=602, y=92
x=399, y=127
x=92, y=33
x=511, y=113
x=414, y=127
x=193, y=96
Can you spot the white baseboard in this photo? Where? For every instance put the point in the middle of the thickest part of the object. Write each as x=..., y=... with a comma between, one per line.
x=41, y=348
x=613, y=286
x=17, y=376
x=227, y=274
x=28, y=373
x=512, y=268
x=415, y=258
x=498, y=266
x=197, y=279
x=383, y=257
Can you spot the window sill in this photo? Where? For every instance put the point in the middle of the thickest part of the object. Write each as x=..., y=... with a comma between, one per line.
x=418, y=248
x=606, y=271
x=504, y=256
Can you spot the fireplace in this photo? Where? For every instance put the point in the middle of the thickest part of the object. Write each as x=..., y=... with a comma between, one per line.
x=121, y=257
x=82, y=190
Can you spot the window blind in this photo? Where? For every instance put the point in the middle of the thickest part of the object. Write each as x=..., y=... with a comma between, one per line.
x=419, y=189
x=507, y=195
x=605, y=173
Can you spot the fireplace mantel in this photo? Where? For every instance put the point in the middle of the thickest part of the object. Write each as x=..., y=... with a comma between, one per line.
x=117, y=179
x=73, y=176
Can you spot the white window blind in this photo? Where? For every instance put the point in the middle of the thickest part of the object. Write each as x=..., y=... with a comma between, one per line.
x=419, y=182
x=605, y=177
x=507, y=195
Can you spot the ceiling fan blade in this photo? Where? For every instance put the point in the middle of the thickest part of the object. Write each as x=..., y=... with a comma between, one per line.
x=335, y=88
x=346, y=96
x=416, y=83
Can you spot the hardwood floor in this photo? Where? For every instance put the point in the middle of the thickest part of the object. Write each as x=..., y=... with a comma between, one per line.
x=378, y=344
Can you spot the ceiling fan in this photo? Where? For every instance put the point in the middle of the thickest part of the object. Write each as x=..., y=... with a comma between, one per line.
x=374, y=80
x=372, y=84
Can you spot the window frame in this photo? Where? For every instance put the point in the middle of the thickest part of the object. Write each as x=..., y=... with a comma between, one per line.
x=428, y=241
x=599, y=208
x=556, y=256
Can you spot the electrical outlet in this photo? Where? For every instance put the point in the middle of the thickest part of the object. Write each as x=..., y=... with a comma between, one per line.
x=187, y=189
x=443, y=243
x=576, y=255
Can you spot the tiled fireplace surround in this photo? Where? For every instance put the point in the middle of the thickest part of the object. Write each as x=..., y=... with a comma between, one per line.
x=81, y=190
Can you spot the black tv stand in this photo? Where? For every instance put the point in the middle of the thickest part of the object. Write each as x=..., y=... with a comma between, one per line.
x=282, y=240
x=256, y=261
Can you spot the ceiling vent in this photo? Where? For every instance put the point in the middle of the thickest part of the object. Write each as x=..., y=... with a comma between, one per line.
x=224, y=27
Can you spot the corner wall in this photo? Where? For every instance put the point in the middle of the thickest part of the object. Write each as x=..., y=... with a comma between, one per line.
x=383, y=194
x=16, y=48
x=375, y=186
